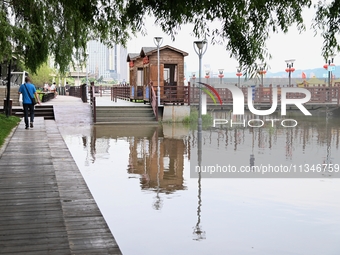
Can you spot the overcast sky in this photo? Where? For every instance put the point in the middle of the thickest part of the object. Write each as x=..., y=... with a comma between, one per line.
x=305, y=48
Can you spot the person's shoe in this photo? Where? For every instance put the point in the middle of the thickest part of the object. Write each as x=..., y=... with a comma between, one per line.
x=31, y=124
x=26, y=127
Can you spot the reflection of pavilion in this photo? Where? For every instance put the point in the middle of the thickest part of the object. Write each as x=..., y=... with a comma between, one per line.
x=159, y=161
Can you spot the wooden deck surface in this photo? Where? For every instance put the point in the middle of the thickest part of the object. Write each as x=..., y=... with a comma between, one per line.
x=46, y=206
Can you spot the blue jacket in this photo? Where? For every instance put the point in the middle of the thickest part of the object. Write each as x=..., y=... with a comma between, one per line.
x=26, y=98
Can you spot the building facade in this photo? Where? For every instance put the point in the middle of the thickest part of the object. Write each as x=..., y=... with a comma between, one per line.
x=107, y=63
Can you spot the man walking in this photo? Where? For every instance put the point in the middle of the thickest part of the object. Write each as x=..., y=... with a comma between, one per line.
x=28, y=91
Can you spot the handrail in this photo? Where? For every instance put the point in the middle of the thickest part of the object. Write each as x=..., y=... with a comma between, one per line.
x=263, y=95
x=154, y=102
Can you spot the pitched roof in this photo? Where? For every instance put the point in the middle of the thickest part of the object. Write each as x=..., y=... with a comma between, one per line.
x=132, y=56
x=147, y=51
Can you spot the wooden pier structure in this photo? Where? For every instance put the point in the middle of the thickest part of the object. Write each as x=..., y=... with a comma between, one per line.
x=46, y=206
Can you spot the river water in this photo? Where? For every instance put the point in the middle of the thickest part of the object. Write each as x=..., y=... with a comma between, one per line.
x=144, y=182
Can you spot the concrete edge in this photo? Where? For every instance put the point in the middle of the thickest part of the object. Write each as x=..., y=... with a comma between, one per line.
x=8, y=139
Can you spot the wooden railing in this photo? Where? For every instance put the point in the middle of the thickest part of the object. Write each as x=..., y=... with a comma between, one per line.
x=174, y=95
x=121, y=92
x=264, y=95
x=79, y=91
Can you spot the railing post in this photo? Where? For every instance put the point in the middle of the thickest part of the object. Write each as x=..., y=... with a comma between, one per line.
x=188, y=94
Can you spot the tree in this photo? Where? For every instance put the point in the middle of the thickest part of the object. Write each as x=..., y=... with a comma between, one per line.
x=42, y=75
x=57, y=27
x=33, y=30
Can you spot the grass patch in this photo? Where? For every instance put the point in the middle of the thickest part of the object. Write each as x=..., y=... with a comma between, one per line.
x=192, y=120
x=6, y=126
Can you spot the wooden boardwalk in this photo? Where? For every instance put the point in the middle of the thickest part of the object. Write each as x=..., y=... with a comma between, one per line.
x=46, y=206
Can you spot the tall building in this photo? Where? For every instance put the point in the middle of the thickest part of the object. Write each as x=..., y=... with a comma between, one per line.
x=108, y=63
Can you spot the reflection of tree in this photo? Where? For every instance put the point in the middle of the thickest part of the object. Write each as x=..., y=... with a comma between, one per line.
x=328, y=158
x=307, y=132
x=289, y=143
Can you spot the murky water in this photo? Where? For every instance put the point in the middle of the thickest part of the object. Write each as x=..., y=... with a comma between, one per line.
x=140, y=179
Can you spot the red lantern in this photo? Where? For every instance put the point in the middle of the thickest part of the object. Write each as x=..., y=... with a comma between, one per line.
x=145, y=60
x=238, y=74
x=332, y=64
x=220, y=75
x=325, y=66
x=287, y=70
x=207, y=76
x=292, y=69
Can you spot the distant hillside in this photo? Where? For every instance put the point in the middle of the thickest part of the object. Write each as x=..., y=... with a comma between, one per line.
x=320, y=73
x=317, y=72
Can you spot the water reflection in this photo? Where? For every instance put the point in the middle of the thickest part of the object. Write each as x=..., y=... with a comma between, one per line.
x=323, y=129
x=199, y=234
x=140, y=178
x=157, y=160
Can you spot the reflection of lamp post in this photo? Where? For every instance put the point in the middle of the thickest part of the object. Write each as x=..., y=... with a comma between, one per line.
x=261, y=71
x=200, y=48
x=290, y=69
x=198, y=232
x=157, y=205
x=329, y=66
x=220, y=74
x=158, y=41
x=238, y=74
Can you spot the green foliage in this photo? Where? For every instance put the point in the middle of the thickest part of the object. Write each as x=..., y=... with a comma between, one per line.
x=7, y=124
x=61, y=28
x=192, y=119
x=37, y=29
x=42, y=75
x=327, y=20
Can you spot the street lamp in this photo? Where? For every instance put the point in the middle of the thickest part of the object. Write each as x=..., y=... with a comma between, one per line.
x=238, y=74
x=329, y=66
x=220, y=74
x=158, y=41
x=207, y=75
x=87, y=78
x=193, y=76
x=290, y=69
x=261, y=71
x=200, y=48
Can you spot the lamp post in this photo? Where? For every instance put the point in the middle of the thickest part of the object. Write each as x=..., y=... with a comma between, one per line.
x=207, y=75
x=238, y=74
x=290, y=69
x=220, y=74
x=200, y=48
x=329, y=66
x=193, y=76
x=87, y=78
x=261, y=71
x=158, y=41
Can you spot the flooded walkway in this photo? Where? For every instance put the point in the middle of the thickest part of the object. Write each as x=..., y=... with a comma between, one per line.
x=46, y=206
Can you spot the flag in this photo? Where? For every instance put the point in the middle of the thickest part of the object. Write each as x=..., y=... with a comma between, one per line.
x=304, y=75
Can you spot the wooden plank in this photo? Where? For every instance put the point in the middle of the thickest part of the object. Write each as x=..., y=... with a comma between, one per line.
x=46, y=206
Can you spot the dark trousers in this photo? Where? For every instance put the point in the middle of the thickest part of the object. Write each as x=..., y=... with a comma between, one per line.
x=30, y=108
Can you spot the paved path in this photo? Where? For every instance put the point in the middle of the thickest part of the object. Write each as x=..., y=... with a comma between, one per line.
x=46, y=206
